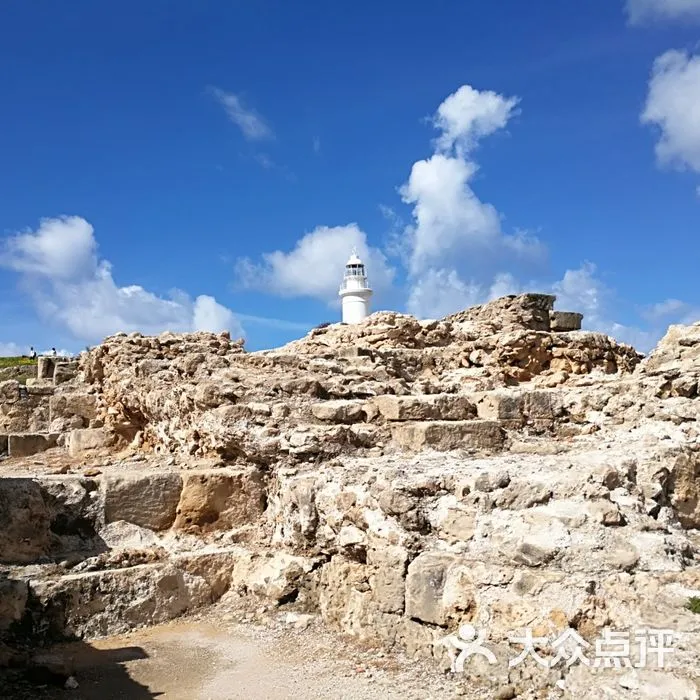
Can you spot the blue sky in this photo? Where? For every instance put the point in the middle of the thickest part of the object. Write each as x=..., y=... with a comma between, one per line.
x=207, y=165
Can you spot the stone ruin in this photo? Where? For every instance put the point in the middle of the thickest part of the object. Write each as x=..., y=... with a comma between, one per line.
x=397, y=478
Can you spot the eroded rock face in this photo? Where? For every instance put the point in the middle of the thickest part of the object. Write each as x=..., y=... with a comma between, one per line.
x=400, y=478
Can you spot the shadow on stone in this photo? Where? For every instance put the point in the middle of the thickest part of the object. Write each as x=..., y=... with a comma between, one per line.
x=76, y=670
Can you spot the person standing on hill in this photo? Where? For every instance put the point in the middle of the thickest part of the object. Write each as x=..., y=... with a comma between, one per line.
x=32, y=353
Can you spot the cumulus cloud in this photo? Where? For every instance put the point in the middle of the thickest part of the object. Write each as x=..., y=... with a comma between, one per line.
x=62, y=249
x=455, y=248
x=251, y=124
x=640, y=11
x=70, y=284
x=314, y=267
x=673, y=106
x=440, y=292
x=468, y=115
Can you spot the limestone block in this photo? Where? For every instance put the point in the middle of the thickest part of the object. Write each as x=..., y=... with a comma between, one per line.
x=605, y=512
x=425, y=585
x=87, y=440
x=562, y=321
x=22, y=409
x=26, y=444
x=456, y=524
x=427, y=407
x=686, y=489
x=147, y=500
x=39, y=387
x=275, y=576
x=24, y=521
x=45, y=367
x=517, y=407
x=215, y=568
x=64, y=372
x=221, y=499
x=339, y=411
x=13, y=600
x=449, y=435
x=500, y=405
x=146, y=594
x=71, y=404
x=388, y=578
x=260, y=409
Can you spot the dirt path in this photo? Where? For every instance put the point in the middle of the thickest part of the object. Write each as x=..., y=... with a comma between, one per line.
x=204, y=661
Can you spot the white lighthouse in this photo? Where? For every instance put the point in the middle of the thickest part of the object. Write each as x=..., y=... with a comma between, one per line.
x=354, y=291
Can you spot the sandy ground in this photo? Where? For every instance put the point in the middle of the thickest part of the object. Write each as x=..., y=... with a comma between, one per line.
x=200, y=660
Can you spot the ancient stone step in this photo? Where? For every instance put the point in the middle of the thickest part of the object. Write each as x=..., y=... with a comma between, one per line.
x=26, y=444
x=449, y=435
x=425, y=407
x=86, y=440
x=340, y=411
x=516, y=407
x=98, y=603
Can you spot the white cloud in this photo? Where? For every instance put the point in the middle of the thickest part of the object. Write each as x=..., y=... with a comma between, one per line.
x=450, y=222
x=252, y=125
x=314, y=268
x=665, y=309
x=468, y=115
x=640, y=11
x=72, y=286
x=62, y=248
x=671, y=311
x=11, y=350
x=673, y=105
x=580, y=290
x=438, y=293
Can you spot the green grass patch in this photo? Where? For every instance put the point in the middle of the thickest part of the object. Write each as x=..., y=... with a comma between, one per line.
x=16, y=362
x=693, y=605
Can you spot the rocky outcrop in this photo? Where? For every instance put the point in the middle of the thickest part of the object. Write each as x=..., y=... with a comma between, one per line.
x=400, y=478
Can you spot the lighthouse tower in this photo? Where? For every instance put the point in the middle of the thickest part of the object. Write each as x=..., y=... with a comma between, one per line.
x=354, y=291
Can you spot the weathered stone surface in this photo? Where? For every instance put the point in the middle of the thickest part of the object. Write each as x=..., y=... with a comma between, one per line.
x=425, y=587
x=427, y=407
x=220, y=500
x=147, y=500
x=26, y=444
x=75, y=409
x=100, y=603
x=45, y=367
x=13, y=601
x=86, y=440
x=517, y=407
x=22, y=409
x=585, y=524
x=24, y=521
x=449, y=435
x=339, y=411
x=64, y=372
x=387, y=576
x=526, y=310
x=277, y=576
x=685, y=489
x=563, y=321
